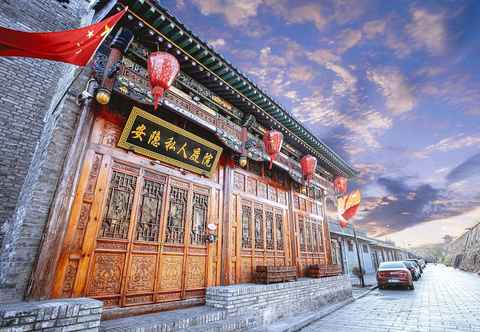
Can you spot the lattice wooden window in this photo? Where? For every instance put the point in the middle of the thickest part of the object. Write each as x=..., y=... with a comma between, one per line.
x=259, y=228
x=279, y=229
x=116, y=220
x=199, y=219
x=308, y=235
x=320, y=237
x=246, y=226
x=269, y=230
x=176, y=216
x=148, y=226
x=316, y=241
x=301, y=233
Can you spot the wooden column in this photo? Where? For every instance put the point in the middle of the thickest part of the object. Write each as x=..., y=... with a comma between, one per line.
x=227, y=246
x=292, y=227
x=42, y=278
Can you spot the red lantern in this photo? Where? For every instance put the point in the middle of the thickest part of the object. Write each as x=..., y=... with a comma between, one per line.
x=273, y=141
x=340, y=184
x=162, y=69
x=308, y=164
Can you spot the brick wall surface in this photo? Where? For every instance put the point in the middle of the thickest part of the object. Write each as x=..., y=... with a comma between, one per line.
x=34, y=138
x=471, y=255
x=81, y=314
x=268, y=303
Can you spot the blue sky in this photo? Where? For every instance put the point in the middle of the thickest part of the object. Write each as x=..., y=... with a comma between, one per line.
x=393, y=86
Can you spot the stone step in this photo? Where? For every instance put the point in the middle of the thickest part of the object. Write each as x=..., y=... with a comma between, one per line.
x=239, y=324
x=300, y=320
x=166, y=321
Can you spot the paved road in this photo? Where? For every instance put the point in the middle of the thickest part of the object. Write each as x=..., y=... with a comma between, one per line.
x=444, y=299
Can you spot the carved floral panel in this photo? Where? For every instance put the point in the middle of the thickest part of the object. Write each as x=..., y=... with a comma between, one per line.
x=142, y=273
x=171, y=272
x=107, y=274
x=195, y=272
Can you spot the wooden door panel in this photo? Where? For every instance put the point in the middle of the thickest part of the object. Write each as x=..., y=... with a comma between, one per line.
x=171, y=271
x=107, y=274
x=196, y=272
x=262, y=240
x=138, y=237
x=141, y=277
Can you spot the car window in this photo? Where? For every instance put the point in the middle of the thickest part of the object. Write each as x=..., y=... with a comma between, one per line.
x=392, y=265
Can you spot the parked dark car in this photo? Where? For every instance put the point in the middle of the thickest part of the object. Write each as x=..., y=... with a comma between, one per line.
x=414, y=270
x=394, y=273
x=416, y=261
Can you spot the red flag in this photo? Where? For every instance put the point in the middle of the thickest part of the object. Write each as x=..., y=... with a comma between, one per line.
x=348, y=206
x=72, y=46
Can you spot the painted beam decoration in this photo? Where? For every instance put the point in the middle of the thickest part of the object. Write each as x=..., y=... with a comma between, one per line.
x=153, y=137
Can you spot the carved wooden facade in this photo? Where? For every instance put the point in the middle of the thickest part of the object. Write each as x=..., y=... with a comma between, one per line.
x=138, y=233
x=138, y=229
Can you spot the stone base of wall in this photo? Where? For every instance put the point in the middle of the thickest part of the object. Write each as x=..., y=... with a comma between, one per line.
x=267, y=303
x=80, y=314
x=471, y=261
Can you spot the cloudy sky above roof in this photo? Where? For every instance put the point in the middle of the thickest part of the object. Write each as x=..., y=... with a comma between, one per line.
x=393, y=87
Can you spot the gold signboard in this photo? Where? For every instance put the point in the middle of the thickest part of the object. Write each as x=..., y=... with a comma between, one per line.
x=153, y=137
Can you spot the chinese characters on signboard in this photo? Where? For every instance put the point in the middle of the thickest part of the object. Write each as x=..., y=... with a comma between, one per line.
x=151, y=136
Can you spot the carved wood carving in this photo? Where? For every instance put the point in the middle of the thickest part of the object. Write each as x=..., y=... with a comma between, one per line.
x=171, y=273
x=142, y=273
x=195, y=272
x=107, y=273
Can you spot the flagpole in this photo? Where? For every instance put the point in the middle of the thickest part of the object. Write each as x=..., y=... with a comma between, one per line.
x=362, y=280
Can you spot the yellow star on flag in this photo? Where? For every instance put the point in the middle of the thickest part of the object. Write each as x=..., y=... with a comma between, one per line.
x=90, y=34
x=106, y=31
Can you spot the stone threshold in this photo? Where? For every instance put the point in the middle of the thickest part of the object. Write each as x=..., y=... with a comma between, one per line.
x=166, y=321
x=116, y=313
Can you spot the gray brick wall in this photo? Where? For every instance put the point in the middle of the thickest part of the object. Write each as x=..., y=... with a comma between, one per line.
x=271, y=302
x=80, y=314
x=34, y=139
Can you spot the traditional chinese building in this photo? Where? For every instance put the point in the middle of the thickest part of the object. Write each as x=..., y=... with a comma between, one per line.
x=151, y=207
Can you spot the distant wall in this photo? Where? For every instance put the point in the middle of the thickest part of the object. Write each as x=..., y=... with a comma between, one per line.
x=34, y=139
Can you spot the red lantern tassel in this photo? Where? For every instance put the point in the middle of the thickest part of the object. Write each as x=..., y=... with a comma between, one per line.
x=157, y=93
x=272, y=158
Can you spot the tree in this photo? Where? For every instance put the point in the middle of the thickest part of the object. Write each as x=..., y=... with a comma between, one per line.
x=447, y=238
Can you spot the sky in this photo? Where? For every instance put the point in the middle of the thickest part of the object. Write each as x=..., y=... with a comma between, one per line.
x=392, y=86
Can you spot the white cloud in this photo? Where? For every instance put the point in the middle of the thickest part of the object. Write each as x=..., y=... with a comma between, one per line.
x=456, y=142
x=433, y=231
x=267, y=58
x=180, y=4
x=291, y=94
x=301, y=73
x=348, y=10
x=428, y=30
x=308, y=13
x=348, y=39
x=374, y=28
x=348, y=81
x=236, y=13
x=217, y=43
x=399, y=96
x=362, y=128
x=323, y=56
